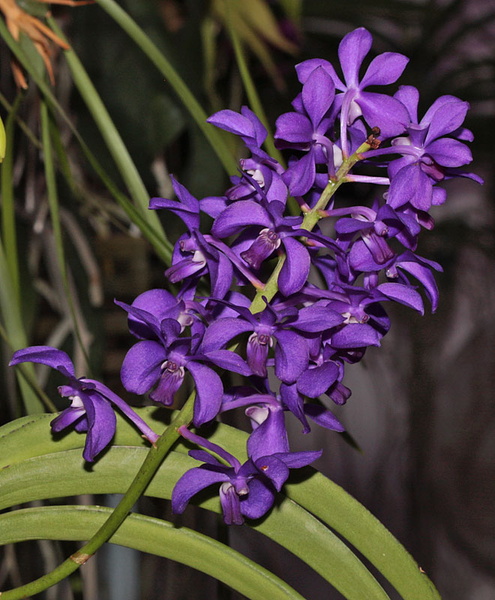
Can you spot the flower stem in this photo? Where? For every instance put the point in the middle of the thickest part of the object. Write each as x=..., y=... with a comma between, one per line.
x=315, y=214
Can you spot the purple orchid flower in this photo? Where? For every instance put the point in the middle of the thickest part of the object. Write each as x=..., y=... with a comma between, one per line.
x=432, y=151
x=261, y=167
x=292, y=330
x=91, y=408
x=246, y=490
x=266, y=412
x=193, y=256
x=361, y=260
x=378, y=110
x=276, y=230
x=159, y=363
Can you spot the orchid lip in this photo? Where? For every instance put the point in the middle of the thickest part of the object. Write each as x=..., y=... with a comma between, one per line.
x=266, y=242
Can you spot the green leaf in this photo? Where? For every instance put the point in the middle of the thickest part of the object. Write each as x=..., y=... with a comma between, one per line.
x=110, y=134
x=24, y=442
x=15, y=334
x=154, y=536
x=65, y=474
x=342, y=513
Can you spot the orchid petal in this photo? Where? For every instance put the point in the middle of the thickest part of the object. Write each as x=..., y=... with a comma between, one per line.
x=45, y=355
x=141, y=366
x=101, y=424
x=291, y=356
x=209, y=392
x=384, y=69
x=352, y=50
x=295, y=270
x=192, y=482
x=316, y=381
x=236, y=216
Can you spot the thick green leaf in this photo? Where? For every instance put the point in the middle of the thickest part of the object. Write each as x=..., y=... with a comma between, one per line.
x=350, y=519
x=65, y=474
x=153, y=536
x=30, y=437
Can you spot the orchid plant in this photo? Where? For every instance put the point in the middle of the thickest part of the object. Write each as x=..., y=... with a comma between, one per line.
x=284, y=289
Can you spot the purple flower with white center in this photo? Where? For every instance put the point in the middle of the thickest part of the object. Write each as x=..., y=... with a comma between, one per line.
x=307, y=131
x=291, y=351
x=361, y=260
x=266, y=412
x=261, y=167
x=193, y=256
x=291, y=329
x=378, y=110
x=246, y=490
x=429, y=156
x=91, y=409
x=375, y=227
x=160, y=362
x=266, y=176
x=276, y=230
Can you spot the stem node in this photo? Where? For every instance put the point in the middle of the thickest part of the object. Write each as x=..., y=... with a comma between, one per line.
x=80, y=558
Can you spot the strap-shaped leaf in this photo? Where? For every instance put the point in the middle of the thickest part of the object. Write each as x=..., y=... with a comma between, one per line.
x=350, y=519
x=30, y=437
x=64, y=474
x=153, y=536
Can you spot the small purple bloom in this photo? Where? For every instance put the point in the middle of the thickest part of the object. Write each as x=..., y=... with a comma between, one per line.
x=246, y=490
x=272, y=230
x=361, y=260
x=378, y=110
x=91, y=402
x=306, y=130
x=291, y=329
x=266, y=412
x=193, y=256
x=159, y=363
x=429, y=156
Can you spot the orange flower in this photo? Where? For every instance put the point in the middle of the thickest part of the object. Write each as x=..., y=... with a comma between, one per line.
x=18, y=20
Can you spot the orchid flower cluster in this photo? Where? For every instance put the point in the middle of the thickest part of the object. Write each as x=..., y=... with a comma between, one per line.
x=290, y=304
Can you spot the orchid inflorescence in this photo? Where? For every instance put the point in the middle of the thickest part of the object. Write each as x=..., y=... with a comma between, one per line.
x=322, y=305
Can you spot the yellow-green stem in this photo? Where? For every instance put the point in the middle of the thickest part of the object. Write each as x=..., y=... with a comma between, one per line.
x=311, y=218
